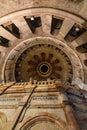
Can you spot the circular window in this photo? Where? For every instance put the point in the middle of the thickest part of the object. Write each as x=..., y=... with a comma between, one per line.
x=44, y=69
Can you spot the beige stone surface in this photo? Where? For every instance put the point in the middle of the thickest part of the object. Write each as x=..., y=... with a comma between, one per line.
x=28, y=56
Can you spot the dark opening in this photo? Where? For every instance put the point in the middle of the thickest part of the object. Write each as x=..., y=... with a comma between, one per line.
x=4, y=42
x=44, y=68
x=74, y=33
x=82, y=48
x=56, y=25
x=85, y=62
x=33, y=22
x=12, y=28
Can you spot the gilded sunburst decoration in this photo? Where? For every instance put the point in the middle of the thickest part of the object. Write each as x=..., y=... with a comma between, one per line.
x=42, y=62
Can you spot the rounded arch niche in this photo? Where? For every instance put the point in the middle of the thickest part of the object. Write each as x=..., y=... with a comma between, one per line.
x=47, y=122
x=71, y=59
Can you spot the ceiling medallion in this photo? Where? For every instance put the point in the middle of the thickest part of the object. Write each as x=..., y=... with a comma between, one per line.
x=44, y=69
x=41, y=62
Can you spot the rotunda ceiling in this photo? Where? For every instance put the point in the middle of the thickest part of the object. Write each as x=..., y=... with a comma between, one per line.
x=29, y=39
x=41, y=62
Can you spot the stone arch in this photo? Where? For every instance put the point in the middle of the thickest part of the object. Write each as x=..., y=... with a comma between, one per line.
x=45, y=117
